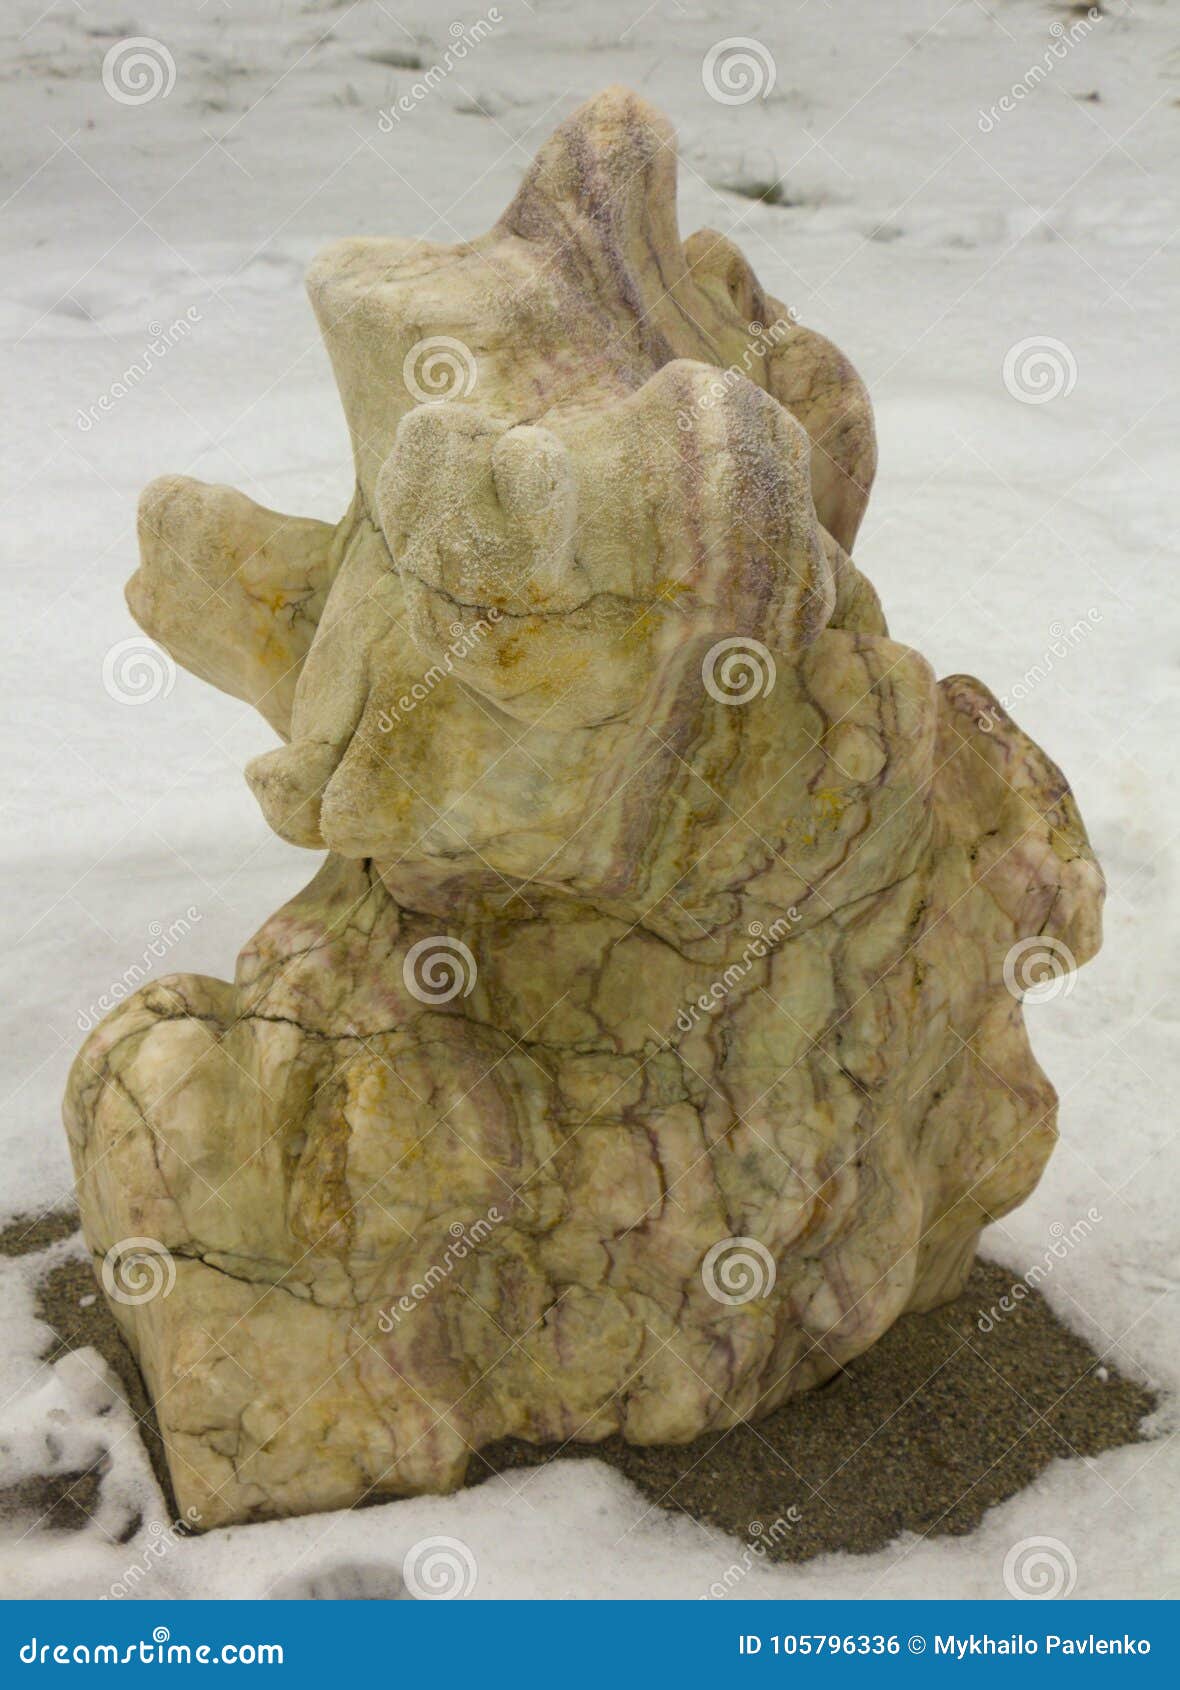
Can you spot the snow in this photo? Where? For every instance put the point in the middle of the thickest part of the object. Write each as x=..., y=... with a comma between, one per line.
x=928, y=246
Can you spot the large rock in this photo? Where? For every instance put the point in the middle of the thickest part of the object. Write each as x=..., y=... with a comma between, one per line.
x=651, y=1037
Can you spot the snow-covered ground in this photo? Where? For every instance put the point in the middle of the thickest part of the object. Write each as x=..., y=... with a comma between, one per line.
x=959, y=178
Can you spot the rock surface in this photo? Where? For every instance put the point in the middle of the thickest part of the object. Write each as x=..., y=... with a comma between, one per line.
x=651, y=1037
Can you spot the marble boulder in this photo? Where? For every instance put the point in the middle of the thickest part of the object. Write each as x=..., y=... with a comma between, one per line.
x=650, y=1037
